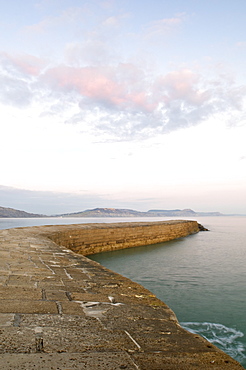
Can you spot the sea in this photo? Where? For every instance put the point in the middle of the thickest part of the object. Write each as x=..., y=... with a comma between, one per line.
x=201, y=277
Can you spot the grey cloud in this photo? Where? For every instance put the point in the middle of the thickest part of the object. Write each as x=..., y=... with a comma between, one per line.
x=89, y=53
x=14, y=91
x=17, y=83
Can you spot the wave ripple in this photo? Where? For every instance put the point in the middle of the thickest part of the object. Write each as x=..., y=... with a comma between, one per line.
x=227, y=339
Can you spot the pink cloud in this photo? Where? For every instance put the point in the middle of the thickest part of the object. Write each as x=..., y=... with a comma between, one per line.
x=104, y=85
x=88, y=81
x=30, y=65
x=126, y=87
x=142, y=100
x=184, y=85
x=25, y=63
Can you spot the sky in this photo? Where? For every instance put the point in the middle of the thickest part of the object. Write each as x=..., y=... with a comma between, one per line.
x=123, y=104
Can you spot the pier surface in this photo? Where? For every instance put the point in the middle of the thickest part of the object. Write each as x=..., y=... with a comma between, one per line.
x=60, y=310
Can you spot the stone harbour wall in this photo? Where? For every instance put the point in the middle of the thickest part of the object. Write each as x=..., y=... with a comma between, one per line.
x=61, y=310
x=88, y=239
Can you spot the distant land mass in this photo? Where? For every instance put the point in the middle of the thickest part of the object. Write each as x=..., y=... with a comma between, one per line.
x=113, y=212
x=15, y=213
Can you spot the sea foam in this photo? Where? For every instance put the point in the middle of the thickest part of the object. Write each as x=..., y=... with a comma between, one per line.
x=227, y=339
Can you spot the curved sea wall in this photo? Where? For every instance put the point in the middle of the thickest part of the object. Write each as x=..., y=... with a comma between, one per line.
x=61, y=310
x=88, y=239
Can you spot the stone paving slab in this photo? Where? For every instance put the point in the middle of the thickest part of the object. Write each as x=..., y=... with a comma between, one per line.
x=6, y=292
x=89, y=361
x=60, y=310
x=27, y=306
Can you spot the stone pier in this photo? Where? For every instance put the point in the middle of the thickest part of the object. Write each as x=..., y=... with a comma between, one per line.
x=60, y=310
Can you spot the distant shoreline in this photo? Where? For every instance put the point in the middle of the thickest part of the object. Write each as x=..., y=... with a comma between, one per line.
x=113, y=212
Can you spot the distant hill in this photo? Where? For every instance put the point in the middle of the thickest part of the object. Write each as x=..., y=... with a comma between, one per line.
x=106, y=212
x=182, y=212
x=111, y=212
x=114, y=212
x=14, y=213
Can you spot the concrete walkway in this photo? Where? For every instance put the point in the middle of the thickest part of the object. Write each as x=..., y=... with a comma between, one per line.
x=60, y=310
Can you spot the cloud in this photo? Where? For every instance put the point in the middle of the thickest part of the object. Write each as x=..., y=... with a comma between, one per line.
x=89, y=53
x=65, y=18
x=129, y=104
x=181, y=85
x=26, y=64
x=14, y=91
x=108, y=87
x=111, y=22
x=123, y=101
x=163, y=27
x=18, y=73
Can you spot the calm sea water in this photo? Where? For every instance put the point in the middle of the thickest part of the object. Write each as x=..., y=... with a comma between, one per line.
x=201, y=277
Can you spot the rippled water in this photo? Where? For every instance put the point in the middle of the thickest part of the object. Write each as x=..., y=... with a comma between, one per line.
x=201, y=277
x=227, y=339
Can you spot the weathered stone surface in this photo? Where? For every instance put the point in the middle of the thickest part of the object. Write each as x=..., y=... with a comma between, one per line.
x=93, y=238
x=86, y=361
x=27, y=306
x=60, y=310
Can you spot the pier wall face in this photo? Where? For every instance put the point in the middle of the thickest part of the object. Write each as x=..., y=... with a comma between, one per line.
x=95, y=238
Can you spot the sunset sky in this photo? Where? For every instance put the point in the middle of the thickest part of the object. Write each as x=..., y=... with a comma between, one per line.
x=123, y=103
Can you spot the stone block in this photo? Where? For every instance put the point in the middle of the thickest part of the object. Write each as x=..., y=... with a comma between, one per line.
x=27, y=306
